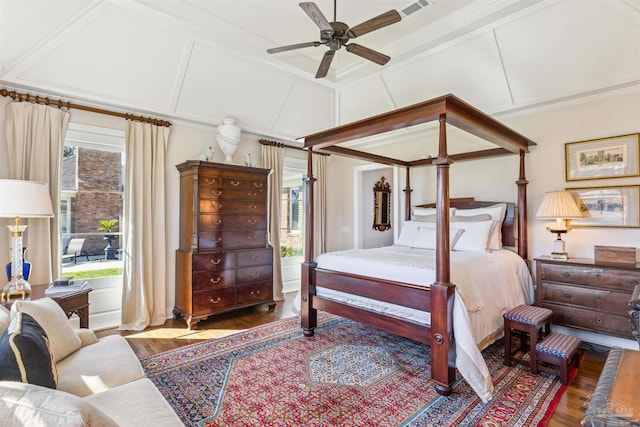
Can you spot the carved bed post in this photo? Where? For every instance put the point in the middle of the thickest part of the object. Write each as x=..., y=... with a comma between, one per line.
x=522, y=211
x=308, y=315
x=407, y=197
x=442, y=291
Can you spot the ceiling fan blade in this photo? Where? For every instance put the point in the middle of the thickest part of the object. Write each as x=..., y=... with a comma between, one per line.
x=323, y=69
x=367, y=53
x=380, y=21
x=292, y=47
x=316, y=15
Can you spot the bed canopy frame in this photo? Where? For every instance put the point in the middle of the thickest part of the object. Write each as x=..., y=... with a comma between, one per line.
x=438, y=298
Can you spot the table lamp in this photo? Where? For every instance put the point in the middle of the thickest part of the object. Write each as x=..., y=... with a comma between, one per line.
x=21, y=199
x=558, y=205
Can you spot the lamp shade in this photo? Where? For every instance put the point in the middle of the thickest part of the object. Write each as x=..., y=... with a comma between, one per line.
x=558, y=204
x=24, y=199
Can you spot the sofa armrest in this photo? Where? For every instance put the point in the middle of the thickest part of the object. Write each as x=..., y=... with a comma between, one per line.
x=87, y=337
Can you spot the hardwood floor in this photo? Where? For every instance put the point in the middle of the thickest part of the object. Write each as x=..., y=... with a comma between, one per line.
x=174, y=333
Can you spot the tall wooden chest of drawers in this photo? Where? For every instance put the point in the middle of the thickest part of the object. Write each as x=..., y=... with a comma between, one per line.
x=223, y=261
x=587, y=295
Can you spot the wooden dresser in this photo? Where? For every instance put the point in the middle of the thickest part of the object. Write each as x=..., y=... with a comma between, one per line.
x=587, y=295
x=223, y=261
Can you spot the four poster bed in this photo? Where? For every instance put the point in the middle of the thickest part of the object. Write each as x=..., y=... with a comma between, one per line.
x=433, y=300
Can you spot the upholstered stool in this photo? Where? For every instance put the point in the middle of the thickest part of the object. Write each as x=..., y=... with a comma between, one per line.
x=557, y=353
x=532, y=324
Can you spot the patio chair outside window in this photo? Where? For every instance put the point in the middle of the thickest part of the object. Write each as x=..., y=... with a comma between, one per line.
x=74, y=250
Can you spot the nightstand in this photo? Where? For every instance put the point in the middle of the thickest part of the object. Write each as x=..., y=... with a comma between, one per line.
x=72, y=302
x=587, y=295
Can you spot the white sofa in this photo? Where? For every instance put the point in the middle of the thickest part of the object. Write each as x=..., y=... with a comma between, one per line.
x=100, y=381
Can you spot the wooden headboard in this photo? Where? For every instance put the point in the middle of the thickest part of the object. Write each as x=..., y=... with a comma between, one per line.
x=508, y=225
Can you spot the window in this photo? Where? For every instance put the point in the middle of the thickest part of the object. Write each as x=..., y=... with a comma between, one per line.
x=292, y=208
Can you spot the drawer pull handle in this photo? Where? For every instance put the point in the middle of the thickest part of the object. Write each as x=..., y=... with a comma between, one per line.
x=235, y=183
x=255, y=292
x=208, y=181
x=218, y=222
x=214, y=301
x=568, y=296
x=597, y=275
x=252, y=221
x=218, y=240
x=255, y=257
x=217, y=207
x=252, y=206
x=599, y=320
x=255, y=275
x=216, y=193
x=257, y=184
x=598, y=297
x=565, y=274
x=215, y=281
x=633, y=282
x=216, y=262
x=253, y=194
x=252, y=237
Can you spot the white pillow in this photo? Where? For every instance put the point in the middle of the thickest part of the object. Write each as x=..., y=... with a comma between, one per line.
x=497, y=213
x=428, y=211
x=427, y=237
x=409, y=233
x=475, y=237
x=55, y=323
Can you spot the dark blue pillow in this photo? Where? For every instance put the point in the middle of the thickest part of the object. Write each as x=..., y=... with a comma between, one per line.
x=25, y=355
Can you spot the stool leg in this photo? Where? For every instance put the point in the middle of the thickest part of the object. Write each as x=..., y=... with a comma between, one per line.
x=563, y=371
x=533, y=340
x=507, y=343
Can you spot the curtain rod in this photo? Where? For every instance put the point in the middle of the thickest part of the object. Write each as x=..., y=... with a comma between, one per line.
x=66, y=104
x=285, y=145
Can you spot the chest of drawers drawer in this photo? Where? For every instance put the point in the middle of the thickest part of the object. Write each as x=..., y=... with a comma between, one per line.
x=232, y=239
x=232, y=207
x=212, y=222
x=600, y=277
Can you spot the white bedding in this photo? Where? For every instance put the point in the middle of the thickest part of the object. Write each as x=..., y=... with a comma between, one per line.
x=487, y=285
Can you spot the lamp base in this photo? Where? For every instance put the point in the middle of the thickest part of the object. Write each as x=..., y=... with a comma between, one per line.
x=16, y=287
x=560, y=255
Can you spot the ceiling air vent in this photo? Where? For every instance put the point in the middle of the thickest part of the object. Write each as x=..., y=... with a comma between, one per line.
x=414, y=7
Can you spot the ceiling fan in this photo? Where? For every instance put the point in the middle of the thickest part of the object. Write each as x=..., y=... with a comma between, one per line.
x=336, y=34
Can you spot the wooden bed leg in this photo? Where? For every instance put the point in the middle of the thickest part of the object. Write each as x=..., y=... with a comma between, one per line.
x=443, y=390
x=308, y=314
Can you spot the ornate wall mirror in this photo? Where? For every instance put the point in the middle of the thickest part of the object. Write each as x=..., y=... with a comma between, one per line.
x=382, y=205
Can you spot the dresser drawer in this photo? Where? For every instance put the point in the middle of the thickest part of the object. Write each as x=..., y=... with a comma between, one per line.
x=208, y=180
x=212, y=222
x=252, y=293
x=206, y=302
x=611, y=324
x=601, y=277
x=255, y=257
x=206, y=280
x=213, y=261
x=601, y=299
x=254, y=274
x=207, y=192
x=232, y=239
x=239, y=183
x=232, y=207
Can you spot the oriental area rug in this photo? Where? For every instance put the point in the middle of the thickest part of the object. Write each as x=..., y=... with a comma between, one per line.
x=348, y=374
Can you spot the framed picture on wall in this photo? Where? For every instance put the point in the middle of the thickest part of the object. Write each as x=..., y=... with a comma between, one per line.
x=614, y=157
x=607, y=206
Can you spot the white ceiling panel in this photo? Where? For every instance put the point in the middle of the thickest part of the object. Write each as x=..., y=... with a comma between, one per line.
x=570, y=47
x=308, y=108
x=129, y=65
x=362, y=100
x=470, y=69
x=25, y=24
x=218, y=84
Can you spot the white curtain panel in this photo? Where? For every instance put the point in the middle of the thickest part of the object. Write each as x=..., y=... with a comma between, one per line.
x=35, y=138
x=273, y=158
x=320, y=165
x=145, y=263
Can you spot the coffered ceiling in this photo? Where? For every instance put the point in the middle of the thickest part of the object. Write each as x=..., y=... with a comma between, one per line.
x=200, y=60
